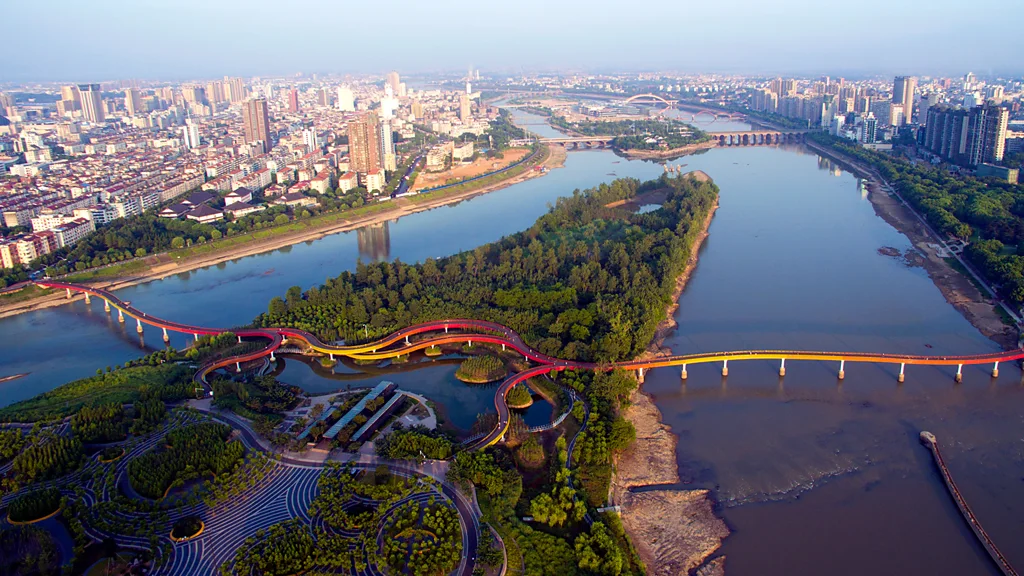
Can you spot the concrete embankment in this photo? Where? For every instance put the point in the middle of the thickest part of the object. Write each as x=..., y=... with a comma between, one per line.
x=929, y=440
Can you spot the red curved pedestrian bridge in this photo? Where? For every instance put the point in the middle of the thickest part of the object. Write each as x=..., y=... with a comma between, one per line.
x=463, y=331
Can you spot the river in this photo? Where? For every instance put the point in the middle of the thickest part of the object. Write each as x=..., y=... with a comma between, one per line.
x=814, y=476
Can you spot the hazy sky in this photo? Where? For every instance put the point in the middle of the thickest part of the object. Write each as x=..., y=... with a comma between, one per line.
x=86, y=40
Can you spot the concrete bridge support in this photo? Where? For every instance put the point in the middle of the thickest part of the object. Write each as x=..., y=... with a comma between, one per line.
x=197, y=338
x=782, y=368
x=842, y=373
x=959, y=373
x=167, y=337
x=69, y=293
x=238, y=366
x=87, y=299
x=502, y=347
x=900, y=377
x=272, y=359
x=106, y=306
x=725, y=367
x=640, y=375
x=138, y=326
x=995, y=370
x=120, y=316
x=683, y=376
x=407, y=341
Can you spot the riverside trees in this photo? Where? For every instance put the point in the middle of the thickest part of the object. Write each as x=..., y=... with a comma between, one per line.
x=585, y=282
x=987, y=212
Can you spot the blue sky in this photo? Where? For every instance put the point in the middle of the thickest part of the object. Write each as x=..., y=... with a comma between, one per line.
x=80, y=40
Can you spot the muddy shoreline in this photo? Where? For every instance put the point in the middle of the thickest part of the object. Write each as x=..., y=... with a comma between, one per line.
x=674, y=531
x=162, y=270
x=980, y=310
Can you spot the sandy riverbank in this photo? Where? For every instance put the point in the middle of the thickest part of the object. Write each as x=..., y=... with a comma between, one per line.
x=981, y=311
x=401, y=207
x=674, y=531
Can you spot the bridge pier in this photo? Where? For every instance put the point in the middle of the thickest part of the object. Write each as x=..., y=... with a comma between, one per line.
x=959, y=373
x=782, y=368
x=640, y=375
x=842, y=373
x=683, y=376
x=502, y=347
x=167, y=338
x=239, y=339
x=725, y=367
x=238, y=366
x=331, y=355
x=272, y=359
x=87, y=299
x=138, y=326
x=197, y=337
x=69, y=293
x=406, y=340
x=995, y=370
x=106, y=306
x=120, y=316
x=445, y=328
x=900, y=377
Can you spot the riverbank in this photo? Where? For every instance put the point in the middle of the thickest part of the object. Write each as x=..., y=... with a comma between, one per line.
x=633, y=154
x=674, y=531
x=398, y=208
x=957, y=288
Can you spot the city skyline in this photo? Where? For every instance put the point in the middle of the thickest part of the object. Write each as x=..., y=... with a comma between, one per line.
x=753, y=38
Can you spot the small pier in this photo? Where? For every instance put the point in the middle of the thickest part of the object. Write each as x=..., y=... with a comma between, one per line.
x=929, y=440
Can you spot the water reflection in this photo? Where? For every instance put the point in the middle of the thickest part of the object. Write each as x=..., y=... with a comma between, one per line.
x=374, y=242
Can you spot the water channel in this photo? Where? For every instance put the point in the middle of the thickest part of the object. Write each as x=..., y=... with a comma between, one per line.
x=815, y=476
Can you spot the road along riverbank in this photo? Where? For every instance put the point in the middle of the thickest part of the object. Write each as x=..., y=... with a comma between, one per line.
x=980, y=310
x=399, y=208
x=674, y=531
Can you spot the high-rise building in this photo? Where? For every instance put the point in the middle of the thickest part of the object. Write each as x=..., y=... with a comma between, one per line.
x=70, y=93
x=926, y=102
x=987, y=135
x=346, y=101
x=235, y=89
x=194, y=94
x=387, y=147
x=132, y=102
x=968, y=137
x=465, y=109
x=323, y=97
x=293, y=100
x=215, y=92
x=190, y=134
x=364, y=145
x=868, y=128
x=257, y=122
x=92, y=103
x=310, y=139
x=393, y=81
x=903, y=93
x=417, y=110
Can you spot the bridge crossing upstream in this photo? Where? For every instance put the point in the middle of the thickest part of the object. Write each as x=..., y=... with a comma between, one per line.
x=467, y=332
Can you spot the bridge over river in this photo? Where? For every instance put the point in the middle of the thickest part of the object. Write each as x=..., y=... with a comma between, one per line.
x=746, y=138
x=466, y=332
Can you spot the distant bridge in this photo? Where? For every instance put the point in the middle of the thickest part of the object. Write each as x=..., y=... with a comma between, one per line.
x=748, y=138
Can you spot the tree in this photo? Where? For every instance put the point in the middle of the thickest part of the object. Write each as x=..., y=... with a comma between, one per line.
x=597, y=552
x=140, y=252
x=178, y=242
x=277, y=307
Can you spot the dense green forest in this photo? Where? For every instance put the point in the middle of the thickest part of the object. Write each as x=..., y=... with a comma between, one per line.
x=150, y=377
x=481, y=369
x=414, y=444
x=99, y=424
x=191, y=452
x=48, y=459
x=34, y=505
x=987, y=213
x=584, y=282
